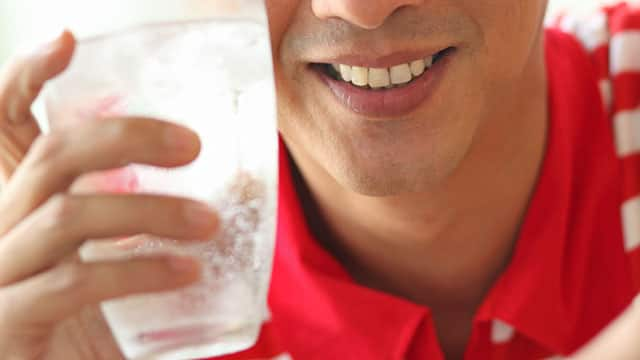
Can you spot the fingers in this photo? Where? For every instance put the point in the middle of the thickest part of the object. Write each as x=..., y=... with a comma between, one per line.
x=58, y=228
x=20, y=84
x=57, y=159
x=22, y=81
x=52, y=296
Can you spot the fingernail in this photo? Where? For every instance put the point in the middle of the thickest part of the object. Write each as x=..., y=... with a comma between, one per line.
x=183, y=264
x=200, y=214
x=179, y=138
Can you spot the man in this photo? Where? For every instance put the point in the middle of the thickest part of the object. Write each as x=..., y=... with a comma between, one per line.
x=450, y=188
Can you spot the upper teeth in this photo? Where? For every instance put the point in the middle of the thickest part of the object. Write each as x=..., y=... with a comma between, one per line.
x=383, y=77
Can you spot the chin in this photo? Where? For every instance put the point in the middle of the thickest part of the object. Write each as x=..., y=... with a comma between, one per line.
x=386, y=179
x=378, y=159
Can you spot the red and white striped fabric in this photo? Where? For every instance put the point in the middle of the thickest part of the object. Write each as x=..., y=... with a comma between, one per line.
x=612, y=37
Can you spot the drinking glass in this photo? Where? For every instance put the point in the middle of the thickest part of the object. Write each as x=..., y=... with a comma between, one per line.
x=204, y=64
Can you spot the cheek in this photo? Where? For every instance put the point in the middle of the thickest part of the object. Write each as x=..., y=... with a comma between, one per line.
x=510, y=30
x=281, y=14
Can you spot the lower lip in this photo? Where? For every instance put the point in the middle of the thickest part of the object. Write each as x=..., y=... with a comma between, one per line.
x=386, y=103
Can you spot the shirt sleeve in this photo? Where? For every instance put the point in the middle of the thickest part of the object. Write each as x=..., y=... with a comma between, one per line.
x=612, y=37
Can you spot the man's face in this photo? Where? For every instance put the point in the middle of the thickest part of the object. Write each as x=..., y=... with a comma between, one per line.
x=410, y=137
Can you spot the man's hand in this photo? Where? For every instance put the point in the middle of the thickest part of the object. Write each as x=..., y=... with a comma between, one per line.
x=48, y=296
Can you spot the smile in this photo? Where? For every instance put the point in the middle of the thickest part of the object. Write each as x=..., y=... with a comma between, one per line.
x=383, y=78
x=387, y=89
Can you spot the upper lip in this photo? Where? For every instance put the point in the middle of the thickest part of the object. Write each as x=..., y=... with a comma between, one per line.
x=366, y=59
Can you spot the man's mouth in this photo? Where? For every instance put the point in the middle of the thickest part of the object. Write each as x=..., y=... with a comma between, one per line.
x=395, y=76
x=381, y=92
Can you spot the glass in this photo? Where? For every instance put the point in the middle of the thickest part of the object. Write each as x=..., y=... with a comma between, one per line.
x=206, y=65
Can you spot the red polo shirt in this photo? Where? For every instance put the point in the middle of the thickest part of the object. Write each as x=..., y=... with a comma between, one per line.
x=574, y=262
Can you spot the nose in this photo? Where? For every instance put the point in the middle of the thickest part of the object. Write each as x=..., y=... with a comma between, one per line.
x=367, y=14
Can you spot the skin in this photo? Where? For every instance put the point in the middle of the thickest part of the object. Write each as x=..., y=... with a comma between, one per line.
x=425, y=187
